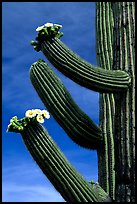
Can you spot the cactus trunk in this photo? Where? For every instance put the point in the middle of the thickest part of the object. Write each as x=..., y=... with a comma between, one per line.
x=117, y=34
x=124, y=56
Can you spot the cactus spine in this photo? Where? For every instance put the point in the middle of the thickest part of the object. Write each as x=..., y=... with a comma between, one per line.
x=114, y=79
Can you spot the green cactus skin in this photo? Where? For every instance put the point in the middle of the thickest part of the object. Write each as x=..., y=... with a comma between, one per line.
x=66, y=112
x=124, y=56
x=82, y=72
x=104, y=40
x=64, y=177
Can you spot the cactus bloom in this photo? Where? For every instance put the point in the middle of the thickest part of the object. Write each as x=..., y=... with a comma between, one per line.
x=58, y=25
x=38, y=111
x=48, y=25
x=45, y=114
x=44, y=26
x=30, y=113
x=40, y=28
x=40, y=118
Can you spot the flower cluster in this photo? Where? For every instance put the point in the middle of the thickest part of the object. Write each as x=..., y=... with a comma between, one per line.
x=33, y=115
x=46, y=32
x=48, y=25
x=38, y=114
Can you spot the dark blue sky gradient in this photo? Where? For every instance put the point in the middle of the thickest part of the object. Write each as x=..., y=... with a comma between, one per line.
x=22, y=180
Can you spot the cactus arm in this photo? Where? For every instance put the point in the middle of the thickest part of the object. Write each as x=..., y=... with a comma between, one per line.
x=106, y=160
x=80, y=71
x=64, y=177
x=59, y=102
x=73, y=66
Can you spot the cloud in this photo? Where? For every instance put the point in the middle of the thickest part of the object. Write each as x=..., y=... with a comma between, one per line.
x=24, y=182
x=16, y=192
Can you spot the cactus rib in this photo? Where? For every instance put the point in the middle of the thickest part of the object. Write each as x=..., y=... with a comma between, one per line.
x=57, y=99
x=82, y=72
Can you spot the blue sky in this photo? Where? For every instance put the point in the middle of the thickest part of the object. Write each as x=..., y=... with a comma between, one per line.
x=22, y=180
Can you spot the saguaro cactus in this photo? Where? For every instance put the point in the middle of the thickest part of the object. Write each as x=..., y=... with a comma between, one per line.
x=114, y=79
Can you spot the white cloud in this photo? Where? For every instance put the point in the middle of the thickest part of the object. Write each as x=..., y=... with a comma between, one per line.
x=17, y=192
x=25, y=182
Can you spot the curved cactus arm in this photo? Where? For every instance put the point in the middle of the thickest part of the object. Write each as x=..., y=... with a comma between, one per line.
x=74, y=67
x=64, y=177
x=81, y=129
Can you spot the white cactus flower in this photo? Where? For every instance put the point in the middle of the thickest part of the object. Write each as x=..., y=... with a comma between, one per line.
x=40, y=118
x=46, y=114
x=38, y=111
x=40, y=28
x=58, y=25
x=48, y=25
x=30, y=113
